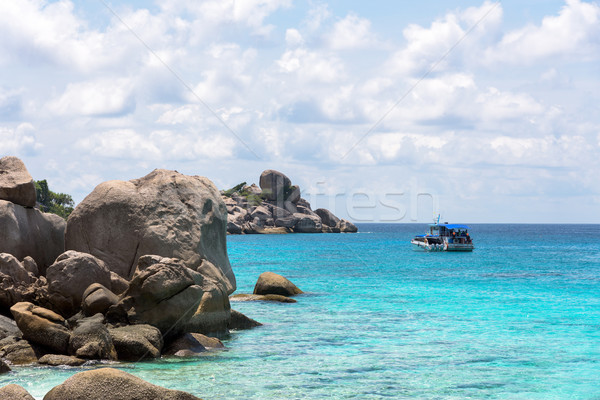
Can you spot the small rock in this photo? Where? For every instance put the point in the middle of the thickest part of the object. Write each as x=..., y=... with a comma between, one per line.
x=327, y=217
x=4, y=368
x=97, y=299
x=271, y=283
x=347, y=227
x=192, y=344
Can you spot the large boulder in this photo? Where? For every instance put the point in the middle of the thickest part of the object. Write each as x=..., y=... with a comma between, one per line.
x=14, y=392
x=272, y=283
x=164, y=213
x=29, y=232
x=69, y=277
x=8, y=327
x=274, y=185
x=16, y=185
x=42, y=326
x=136, y=342
x=294, y=194
x=91, y=340
x=100, y=384
x=327, y=217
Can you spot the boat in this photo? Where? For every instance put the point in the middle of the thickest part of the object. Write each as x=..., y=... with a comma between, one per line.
x=444, y=237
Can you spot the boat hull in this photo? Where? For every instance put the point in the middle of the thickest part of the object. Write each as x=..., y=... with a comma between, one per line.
x=422, y=246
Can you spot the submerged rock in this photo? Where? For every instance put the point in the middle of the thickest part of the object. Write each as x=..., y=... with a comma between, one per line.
x=262, y=297
x=112, y=384
x=239, y=321
x=192, y=344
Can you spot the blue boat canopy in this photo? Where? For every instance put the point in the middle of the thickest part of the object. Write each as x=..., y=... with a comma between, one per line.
x=453, y=226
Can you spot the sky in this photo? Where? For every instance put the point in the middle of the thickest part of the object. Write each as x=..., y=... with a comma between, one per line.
x=381, y=111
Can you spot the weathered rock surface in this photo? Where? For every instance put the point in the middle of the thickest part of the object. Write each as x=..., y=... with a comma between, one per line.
x=4, y=368
x=307, y=223
x=14, y=392
x=8, y=327
x=29, y=232
x=16, y=185
x=100, y=384
x=20, y=352
x=262, y=297
x=271, y=283
x=164, y=213
x=164, y=294
x=274, y=184
x=69, y=277
x=347, y=227
x=327, y=217
x=137, y=342
x=240, y=322
x=97, y=299
x=42, y=326
x=60, y=359
x=91, y=340
x=16, y=283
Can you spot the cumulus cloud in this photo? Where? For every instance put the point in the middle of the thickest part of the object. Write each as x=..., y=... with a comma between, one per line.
x=158, y=145
x=19, y=141
x=573, y=32
x=352, y=32
x=104, y=97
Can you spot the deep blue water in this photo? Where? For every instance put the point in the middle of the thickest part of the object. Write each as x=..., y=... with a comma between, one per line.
x=519, y=318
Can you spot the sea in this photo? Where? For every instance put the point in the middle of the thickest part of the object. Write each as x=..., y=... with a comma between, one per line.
x=518, y=318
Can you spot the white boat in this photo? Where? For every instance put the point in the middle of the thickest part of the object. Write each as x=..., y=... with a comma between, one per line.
x=444, y=237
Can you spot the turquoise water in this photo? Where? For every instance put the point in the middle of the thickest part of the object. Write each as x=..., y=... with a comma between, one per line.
x=519, y=318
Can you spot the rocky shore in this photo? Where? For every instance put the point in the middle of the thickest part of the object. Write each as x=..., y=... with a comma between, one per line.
x=138, y=271
x=276, y=206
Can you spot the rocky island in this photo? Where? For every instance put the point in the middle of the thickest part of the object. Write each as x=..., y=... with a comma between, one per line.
x=276, y=207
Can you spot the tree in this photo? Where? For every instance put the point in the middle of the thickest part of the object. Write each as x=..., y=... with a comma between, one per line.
x=56, y=203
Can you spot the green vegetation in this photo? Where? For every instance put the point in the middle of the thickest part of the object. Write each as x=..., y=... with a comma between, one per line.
x=56, y=203
x=254, y=199
x=236, y=188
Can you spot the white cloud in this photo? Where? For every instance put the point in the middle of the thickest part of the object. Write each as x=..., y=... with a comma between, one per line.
x=18, y=141
x=158, y=145
x=311, y=66
x=102, y=97
x=574, y=32
x=352, y=32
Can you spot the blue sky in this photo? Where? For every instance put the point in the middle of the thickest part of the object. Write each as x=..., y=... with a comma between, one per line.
x=382, y=111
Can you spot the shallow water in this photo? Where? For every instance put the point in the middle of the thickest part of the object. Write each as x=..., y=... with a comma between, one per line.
x=519, y=318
